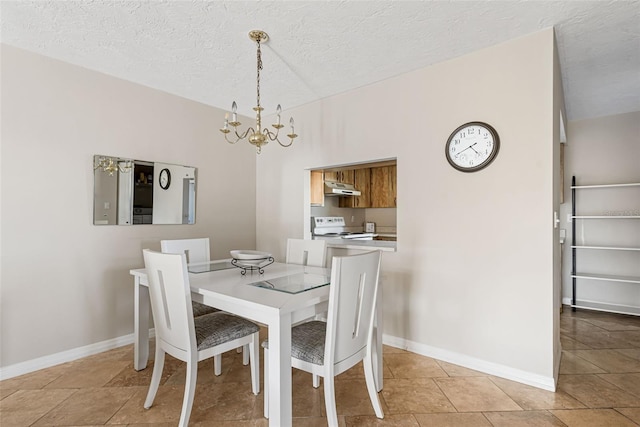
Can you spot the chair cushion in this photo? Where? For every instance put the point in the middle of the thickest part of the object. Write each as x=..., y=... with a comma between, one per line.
x=201, y=309
x=307, y=342
x=217, y=328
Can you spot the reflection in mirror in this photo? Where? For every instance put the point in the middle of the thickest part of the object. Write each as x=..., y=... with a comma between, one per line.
x=130, y=192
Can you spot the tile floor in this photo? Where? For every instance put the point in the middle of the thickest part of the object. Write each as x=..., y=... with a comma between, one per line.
x=599, y=386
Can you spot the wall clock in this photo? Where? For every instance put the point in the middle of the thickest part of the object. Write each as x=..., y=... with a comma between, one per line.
x=165, y=178
x=472, y=146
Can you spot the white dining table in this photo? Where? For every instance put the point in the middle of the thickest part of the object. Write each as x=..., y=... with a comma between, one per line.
x=229, y=290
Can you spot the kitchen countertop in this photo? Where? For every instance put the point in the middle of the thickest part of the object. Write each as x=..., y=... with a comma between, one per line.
x=383, y=245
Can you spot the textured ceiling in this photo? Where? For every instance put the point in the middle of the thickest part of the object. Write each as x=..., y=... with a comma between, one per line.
x=200, y=49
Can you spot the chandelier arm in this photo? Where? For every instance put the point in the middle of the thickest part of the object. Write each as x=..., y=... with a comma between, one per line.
x=273, y=136
x=238, y=136
x=286, y=145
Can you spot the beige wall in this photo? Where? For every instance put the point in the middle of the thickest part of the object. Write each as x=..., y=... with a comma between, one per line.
x=65, y=282
x=473, y=278
x=605, y=150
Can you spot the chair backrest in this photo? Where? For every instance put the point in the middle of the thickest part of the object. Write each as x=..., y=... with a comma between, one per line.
x=306, y=252
x=197, y=250
x=170, y=296
x=352, y=300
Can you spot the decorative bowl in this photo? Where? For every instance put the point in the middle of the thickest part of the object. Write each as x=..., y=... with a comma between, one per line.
x=246, y=257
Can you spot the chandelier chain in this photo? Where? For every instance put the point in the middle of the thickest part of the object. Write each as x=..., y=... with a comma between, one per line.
x=259, y=67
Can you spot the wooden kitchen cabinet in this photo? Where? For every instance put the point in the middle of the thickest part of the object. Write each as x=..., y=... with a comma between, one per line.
x=383, y=187
x=317, y=188
x=362, y=183
x=345, y=177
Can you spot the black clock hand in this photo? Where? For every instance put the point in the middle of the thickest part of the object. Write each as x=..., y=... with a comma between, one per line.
x=460, y=152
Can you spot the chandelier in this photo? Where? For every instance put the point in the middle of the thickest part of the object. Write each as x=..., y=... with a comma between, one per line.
x=111, y=166
x=256, y=136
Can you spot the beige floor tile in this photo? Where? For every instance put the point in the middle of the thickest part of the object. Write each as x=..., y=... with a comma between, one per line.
x=129, y=377
x=453, y=420
x=593, y=418
x=24, y=407
x=469, y=394
x=357, y=372
x=532, y=398
x=154, y=425
x=458, y=371
x=388, y=349
x=307, y=401
x=573, y=327
x=83, y=374
x=232, y=370
x=596, y=392
x=420, y=395
x=609, y=360
x=88, y=407
x=223, y=401
x=166, y=407
x=124, y=353
x=633, y=353
x=631, y=338
x=411, y=365
x=632, y=413
x=352, y=398
x=605, y=339
x=571, y=344
x=316, y=422
x=37, y=379
x=618, y=324
x=628, y=382
x=570, y=363
x=4, y=392
x=523, y=419
x=404, y=420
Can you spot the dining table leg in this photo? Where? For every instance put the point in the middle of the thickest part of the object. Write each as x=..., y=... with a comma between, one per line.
x=141, y=313
x=280, y=391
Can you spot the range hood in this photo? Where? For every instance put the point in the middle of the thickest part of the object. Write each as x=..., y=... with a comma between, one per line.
x=339, y=189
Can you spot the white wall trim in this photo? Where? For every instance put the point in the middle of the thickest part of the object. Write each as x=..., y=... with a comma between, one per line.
x=65, y=356
x=535, y=380
x=539, y=381
x=603, y=306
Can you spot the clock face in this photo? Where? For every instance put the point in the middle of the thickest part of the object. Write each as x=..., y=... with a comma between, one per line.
x=472, y=146
x=165, y=179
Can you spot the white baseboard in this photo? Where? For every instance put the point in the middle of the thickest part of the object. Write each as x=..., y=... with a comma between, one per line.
x=603, y=306
x=535, y=380
x=546, y=383
x=65, y=356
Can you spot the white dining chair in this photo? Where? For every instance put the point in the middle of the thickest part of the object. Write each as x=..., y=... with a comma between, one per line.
x=329, y=348
x=198, y=250
x=188, y=338
x=306, y=252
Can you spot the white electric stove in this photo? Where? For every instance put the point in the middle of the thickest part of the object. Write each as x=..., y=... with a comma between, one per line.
x=334, y=227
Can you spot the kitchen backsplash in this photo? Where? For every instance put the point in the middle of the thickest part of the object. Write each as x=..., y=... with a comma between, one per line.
x=385, y=218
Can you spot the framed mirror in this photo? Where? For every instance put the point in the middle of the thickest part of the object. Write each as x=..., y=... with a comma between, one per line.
x=131, y=192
